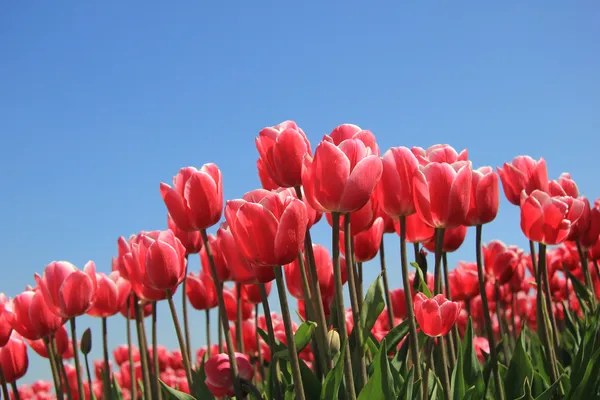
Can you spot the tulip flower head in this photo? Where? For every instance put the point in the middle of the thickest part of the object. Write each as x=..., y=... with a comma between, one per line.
x=485, y=197
x=111, y=295
x=195, y=201
x=435, y=316
x=523, y=173
x=218, y=376
x=439, y=153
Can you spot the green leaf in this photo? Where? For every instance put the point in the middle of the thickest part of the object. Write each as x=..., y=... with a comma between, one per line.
x=590, y=378
x=472, y=373
x=519, y=370
x=373, y=305
x=407, y=390
x=422, y=282
x=116, y=390
x=312, y=386
x=173, y=394
x=549, y=393
x=457, y=382
x=381, y=384
x=331, y=386
x=199, y=389
x=302, y=338
x=583, y=294
x=395, y=335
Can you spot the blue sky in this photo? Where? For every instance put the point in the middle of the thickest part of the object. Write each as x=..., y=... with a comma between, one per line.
x=101, y=101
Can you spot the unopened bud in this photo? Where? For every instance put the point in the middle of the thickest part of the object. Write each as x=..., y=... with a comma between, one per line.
x=333, y=341
x=86, y=342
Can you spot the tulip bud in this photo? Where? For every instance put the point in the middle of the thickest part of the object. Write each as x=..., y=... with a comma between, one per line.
x=86, y=342
x=333, y=341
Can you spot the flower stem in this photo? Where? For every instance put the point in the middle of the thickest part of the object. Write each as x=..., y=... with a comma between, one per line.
x=505, y=348
x=5, y=394
x=271, y=337
x=87, y=370
x=186, y=324
x=352, y=288
x=220, y=329
x=139, y=322
x=309, y=309
x=107, y=373
x=184, y=356
x=339, y=303
x=451, y=339
x=15, y=390
x=223, y=315
x=76, y=358
x=207, y=318
x=63, y=371
x=486, y=315
x=133, y=388
x=289, y=333
x=315, y=291
x=412, y=325
x=261, y=367
x=386, y=286
x=55, y=376
x=239, y=332
x=155, y=384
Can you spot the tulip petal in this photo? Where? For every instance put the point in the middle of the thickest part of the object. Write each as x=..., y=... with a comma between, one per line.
x=176, y=207
x=76, y=294
x=361, y=184
x=289, y=238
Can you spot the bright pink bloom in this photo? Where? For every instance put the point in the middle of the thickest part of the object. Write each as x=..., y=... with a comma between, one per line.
x=5, y=325
x=324, y=267
x=481, y=346
x=500, y=261
x=464, y=281
x=351, y=131
x=442, y=193
x=340, y=178
x=111, y=295
x=396, y=185
x=564, y=186
x=523, y=173
x=192, y=241
x=68, y=292
x=440, y=153
x=196, y=200
x=218, y=373
x=453, y=239
x=417, y=231
x=223, y=271
x=121, y=354
x=13, y=358
x=240, y=271
x=251, y=292
x=31, y=317
x=270, y=232
x=435, y=316
x=366, y=243
x=265, y=177
x=590, y=237
x=282, y=149
x=398, y=303
x=231, y=303
x=546, y=219
x=201, y=291
x=485, y=197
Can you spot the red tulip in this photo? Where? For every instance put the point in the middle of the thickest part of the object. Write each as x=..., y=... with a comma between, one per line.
x=548, y=219
x=265, y=178
x=523, y=173
x=251, y=292
x=30, y=316
x=282, y=149
x=111, y=295
x=201, y=291
x=360, y=220
x=453, y=239
x=218, y=375
x=192, y=241
x=500, y=261
x=99, y=368
x=121, y=354
x=398, y=303
x=481, y=346
x=314, y=216
x=435, y=316
x=351, y=131
x=442, y=194
x=146, y=308
x=366, y=243
x=589, y=237
x=5, y=326
x=270, y=232
x=231, y=303
x=214, y=350
x=196, y=200
x=464, y=281
x=396, y=185
x=62, y=344
x=223, y=271
x=239, y=269
x=340, y=178
x=594, y=252
x=163, y=356
x=68, y=292
x=440, y=153
x=417, y=231
x=564, y=186
x=13, y=358
x=485, y=197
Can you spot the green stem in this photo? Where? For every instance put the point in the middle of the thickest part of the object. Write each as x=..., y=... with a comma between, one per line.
x=352, y=288
x=439, y=241
x=184, y=308
x=271, y=336
x=339, y=302
x=155, y=384
x=207, y=318
x=180, y=339
x=107, y=373
x=223, y=315
x=76, y=358
x=139, y=322
x=287, y=323
x=133, y=388
x=486, y=314
x=3, y=383
x=55, y=376
x=412, y=325
x=63, y=371
x=505, y=349
x=15, y=390
x=451, y=339
x=386, y=286
x=239, y=329
x=261, y=366
x=87, y=370
x=220, y=329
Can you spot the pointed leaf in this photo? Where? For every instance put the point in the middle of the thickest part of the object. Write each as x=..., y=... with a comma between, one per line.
x=519, y=370
x=373, y=305
x=331, y=386
x=173, y=394
x=381, y=384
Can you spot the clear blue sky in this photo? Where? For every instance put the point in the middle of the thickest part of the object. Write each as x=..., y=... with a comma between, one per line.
x=101, y=101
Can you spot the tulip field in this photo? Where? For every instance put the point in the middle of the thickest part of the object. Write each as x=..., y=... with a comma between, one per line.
x=509, y=323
